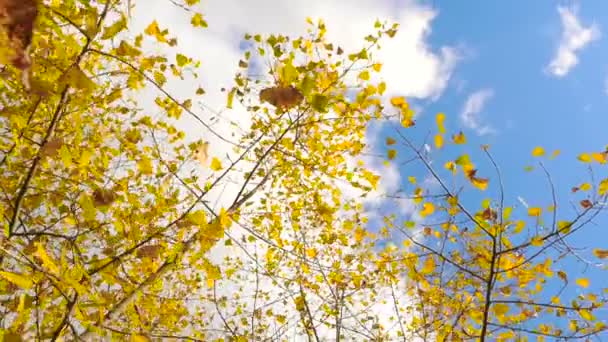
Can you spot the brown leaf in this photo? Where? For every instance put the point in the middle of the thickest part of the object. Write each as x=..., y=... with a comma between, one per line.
x=51, y=147
x=489, y=214
x=586, y=204
x=283, y=97
x=17, y=18
x=601, y=253
x=150, y=251
x=103, y=197
x=427, y=231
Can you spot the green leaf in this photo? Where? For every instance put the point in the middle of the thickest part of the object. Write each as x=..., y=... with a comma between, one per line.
x=230, y=98
x=320, y=102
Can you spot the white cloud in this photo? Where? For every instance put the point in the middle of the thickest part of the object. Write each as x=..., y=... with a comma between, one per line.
x=470, y=115
x=574, y=38
x=411, y=68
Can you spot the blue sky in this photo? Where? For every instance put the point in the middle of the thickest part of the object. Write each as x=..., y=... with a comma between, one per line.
x=505, y=53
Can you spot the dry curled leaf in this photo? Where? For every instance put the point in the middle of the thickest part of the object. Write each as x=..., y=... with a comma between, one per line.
x=51, y=147
x=586, y=204
x=17, y=19
x=283, y=97
x=103, y=197
x=151, y=251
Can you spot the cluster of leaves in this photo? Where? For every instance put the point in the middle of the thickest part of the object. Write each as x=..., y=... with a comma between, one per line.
x=108, y=233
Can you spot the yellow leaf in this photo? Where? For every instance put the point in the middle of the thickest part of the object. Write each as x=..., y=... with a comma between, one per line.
x=601, y=253
x=586, y=314
x=112, y=30
x=392, y=154
x=564, y=226
x=603, y=187
x=537, y=241
x=480, y=183
x=216, y=164
x=145, y=165
x=224, y=219
x=538, y=151
x=584, y=187
x=500, y=309
x=554, y=154
x=181, y=59
x=364, y=75
x=230, y=98
x=582, y=282
x=407, y=123
x=599, y=157
x=377, y=67
x=427, y=209
x=459, y=138
x=398, y=101
x=46, y=259
x=438, y=141
x=519, y=226
x=534, y=211
x=584, y=157
x=17, y=279
x=429, y=266
x=563, y=276
x=440, y=118
x=198, y=21
x=450, y=166
x=139, y=338
x=411, y=179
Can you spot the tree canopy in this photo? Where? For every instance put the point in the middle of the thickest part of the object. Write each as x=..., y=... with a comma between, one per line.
x=128, y=214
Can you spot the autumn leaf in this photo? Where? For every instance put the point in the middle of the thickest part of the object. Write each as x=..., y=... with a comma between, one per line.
x=17, y=279
x=582, y=282
x=216, y=165
x=601, y=253
x=390, y=141
x=103, y=197
x=438, y=141
x=391, y=154
x=429, y=266
x=586, y=204
x=398, y=101
x=538, y=152
x=427, y=209
x=17, y=19
x=480, y=183
x=51, y=148
x=459, y=138
x=282, y=97
x=599, y=157
x=534, y=211
x=148, y=251
x=585, y=158
x=440, y=120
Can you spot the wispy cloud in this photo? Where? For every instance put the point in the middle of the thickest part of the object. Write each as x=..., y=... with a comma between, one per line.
x=470, y=115
x=574, y=38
